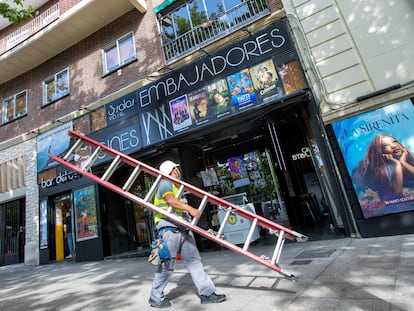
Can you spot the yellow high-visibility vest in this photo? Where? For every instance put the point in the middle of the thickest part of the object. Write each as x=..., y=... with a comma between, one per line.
x=160, y=202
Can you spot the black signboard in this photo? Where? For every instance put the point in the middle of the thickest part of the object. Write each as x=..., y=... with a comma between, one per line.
x=258, y=70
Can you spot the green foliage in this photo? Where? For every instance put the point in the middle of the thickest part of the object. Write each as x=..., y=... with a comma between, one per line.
x=15, y=14
x=197, y=18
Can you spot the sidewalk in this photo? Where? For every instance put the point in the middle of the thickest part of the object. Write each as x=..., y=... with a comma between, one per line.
x=340, y=274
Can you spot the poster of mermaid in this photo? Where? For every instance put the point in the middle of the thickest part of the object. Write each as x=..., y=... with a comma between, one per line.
x=377, y=147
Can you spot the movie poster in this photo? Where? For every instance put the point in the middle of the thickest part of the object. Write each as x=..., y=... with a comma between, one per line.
x=43, y=232
x=219, y=98
x=241, y=89
x=265, y=79
x=238, y=171
x=292, y=77
x=199, y=107
x=85, y=213
x=180, y=113
x=378, y=150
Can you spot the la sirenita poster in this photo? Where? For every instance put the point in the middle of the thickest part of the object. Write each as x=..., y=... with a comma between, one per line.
x=378, y=151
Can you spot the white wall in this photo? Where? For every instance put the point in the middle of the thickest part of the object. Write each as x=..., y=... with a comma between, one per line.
x=357, y=46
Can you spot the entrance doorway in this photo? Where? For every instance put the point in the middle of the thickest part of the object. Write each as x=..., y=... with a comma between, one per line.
x=12, y=232
x=61, y=209
x=273, y=158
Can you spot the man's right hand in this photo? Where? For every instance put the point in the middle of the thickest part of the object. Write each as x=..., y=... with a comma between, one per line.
x=195, y=213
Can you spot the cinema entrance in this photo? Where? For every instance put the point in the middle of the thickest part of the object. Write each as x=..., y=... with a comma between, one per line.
x=274, y=159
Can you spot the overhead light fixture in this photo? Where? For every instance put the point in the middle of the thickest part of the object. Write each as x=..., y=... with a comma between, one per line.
x=83, y=107
x=34, y=132
x=202, y=49
x=245, y=29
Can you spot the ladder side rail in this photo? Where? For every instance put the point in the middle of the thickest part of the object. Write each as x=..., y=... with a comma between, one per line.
x=263, y=222
x=174, y=218
x=112, y=152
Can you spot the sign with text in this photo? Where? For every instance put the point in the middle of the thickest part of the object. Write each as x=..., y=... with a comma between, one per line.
x=55, y=141
x=260, y=69
x=378, y=150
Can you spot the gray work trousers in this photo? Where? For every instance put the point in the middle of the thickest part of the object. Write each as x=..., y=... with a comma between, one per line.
x=183, y=243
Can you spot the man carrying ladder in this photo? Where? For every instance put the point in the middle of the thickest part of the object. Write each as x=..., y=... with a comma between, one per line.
x=179, y=240
x=170, y=221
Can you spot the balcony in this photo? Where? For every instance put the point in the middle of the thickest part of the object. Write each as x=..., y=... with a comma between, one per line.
x=211, y=30
x=52, y=32
x=28, y=30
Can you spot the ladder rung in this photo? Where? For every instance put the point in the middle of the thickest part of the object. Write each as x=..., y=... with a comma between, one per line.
x=278, y=248
x=91, y=159
x=152, y=189
x=201, y=208
x=72, y=149
x=180, y=191
x=128, y=184
x=178, y=195
x=224, y=223
x=250, y=235
x=111, y=169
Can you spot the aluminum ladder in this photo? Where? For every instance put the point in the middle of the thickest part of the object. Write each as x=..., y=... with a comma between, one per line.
x=98, y=149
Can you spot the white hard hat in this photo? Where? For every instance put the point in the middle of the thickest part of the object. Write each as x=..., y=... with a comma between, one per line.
x=166, y=167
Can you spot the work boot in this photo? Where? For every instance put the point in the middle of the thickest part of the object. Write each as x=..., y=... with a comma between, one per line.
x=213, y=298
x=165, y=303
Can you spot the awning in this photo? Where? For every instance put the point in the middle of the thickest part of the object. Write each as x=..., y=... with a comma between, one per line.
x=163, y=5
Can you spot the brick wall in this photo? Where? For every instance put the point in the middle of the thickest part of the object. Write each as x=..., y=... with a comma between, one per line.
x=87, y=83
x=275, y=5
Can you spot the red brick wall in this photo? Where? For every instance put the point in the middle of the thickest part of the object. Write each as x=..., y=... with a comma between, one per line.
x=275, y=5
x=87, y=83
x=84, y=61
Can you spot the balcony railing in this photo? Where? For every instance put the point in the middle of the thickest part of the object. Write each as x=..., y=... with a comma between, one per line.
x=29, y=29
x=235, y=18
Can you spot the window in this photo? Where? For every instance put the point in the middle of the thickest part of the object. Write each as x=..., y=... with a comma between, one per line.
x=56, y=87
x=192, y=14
x=15, y=106
x=119, y=53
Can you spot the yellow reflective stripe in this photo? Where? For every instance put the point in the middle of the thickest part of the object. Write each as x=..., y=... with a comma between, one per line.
x=169, y=192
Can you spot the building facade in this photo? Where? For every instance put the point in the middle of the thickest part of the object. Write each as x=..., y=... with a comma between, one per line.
x=359, y=53
x=251, y=97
